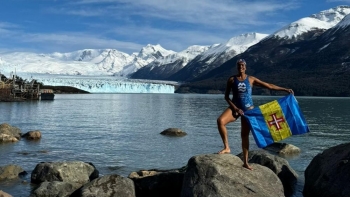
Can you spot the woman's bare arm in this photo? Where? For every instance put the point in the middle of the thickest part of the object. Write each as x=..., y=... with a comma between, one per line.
x=258, y=82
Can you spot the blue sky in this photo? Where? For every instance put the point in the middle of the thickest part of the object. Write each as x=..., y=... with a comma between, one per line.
x=46, y=26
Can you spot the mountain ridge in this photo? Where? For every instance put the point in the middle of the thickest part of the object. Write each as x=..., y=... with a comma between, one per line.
x=316, y=63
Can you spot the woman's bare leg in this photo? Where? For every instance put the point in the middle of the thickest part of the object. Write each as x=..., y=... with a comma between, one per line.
x=225, y=118
x=245, y=129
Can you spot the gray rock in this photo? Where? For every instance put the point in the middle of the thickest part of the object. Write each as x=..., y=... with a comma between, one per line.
x=70, y=171
x=278, y=165
x=9, y=133
x=11, y=172
x=55, y=188
x=328, y=173
x=173, y=132
x=283, y=149
x=108, y=186
x=223, y=175
x=158, y=183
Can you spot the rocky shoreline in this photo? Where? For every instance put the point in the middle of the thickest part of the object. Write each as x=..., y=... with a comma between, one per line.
x=204, y=175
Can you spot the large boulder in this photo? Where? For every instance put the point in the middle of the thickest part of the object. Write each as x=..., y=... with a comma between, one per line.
x=107, y=186
x=223, y=175
x=158, y=183
x=278, y=165
x=328, y=173
x=75, y=172
x=9, y=133
x=54, y=188
x=9, y=172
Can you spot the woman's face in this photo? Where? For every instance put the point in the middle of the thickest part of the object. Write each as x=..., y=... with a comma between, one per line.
x=241, y=67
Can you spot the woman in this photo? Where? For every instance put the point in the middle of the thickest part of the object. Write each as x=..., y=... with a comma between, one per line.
x=241, y=86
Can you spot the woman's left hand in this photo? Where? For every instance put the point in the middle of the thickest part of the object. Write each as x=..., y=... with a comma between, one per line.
x=290, y=91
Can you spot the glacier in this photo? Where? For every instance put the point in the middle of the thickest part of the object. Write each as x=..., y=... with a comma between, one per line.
x=105, y=84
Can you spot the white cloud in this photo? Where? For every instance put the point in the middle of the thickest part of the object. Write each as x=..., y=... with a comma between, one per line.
x=80, y=41
x=223, y=14
x=173, y=24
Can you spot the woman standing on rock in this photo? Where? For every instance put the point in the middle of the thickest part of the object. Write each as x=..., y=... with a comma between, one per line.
x=241, y=85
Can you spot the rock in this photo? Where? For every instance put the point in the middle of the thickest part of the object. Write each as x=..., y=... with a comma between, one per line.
x=142, y=174
x=9, y=133
x=11, y=172
x=158, y=183
x=174, y=132
x=54, y=188
x=283, y=149
x=106, y=186
x=74, y=172
x=278, y=165
x=32, y=135
x=223, y=175
x=4, y=194
x=328, y=173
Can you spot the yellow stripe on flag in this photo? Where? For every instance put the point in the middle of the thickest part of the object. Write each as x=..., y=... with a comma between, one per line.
x=275, y=121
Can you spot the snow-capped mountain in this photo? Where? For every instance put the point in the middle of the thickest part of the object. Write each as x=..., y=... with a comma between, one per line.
x=315, y=62
x=343, y=24
x=82, y=62
x=164, y=67
x=217, y=55
x=292, y=37
x=43, y=63
x=106, y=60
x=236, y=45
x=148, y=54
x=321, y=21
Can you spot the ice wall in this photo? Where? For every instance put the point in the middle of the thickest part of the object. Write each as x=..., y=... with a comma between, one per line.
x=109, y=85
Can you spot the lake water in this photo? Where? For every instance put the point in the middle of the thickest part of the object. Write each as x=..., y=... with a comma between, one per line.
x=120, y=133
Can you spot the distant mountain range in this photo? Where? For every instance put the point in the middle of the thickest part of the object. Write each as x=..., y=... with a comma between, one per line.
x=310, y=55
x=314, y=61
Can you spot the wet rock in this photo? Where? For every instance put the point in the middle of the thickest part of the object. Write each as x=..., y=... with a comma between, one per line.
x=70, y=171
x=9, y=133
x=11, y=172
x=174, y=132
x=32, y=135
x=54, y=188
x=223, y=175
x=106, y=186
x=283, y=149
x=328, y=173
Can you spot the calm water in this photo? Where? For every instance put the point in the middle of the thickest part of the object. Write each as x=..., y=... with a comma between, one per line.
x=119, y=133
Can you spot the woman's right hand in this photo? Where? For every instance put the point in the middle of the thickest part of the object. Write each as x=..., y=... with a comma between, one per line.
x=239, y=111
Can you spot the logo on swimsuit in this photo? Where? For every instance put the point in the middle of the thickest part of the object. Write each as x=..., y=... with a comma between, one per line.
x=241, y=87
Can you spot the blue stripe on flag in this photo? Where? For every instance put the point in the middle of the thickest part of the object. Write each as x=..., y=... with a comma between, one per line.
x=257, y=124
x=293, y=114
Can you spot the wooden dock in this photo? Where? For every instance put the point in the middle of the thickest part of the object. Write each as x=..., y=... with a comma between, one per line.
x=17, y=89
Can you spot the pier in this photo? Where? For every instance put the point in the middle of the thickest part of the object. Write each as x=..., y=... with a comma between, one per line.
x=17, y=89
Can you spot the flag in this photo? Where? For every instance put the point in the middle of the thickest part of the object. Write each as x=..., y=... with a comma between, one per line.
x=276, y=120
